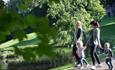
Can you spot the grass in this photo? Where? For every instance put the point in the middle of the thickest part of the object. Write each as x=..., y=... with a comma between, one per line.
x=107, y=29
x=107, y=21
x=107, y=33
x=66, y=50
x=65, y=67
x=70, y=66
x=31, y=40
x=8, y=46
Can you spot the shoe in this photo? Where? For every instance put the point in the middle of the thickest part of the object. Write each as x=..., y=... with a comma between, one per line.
x=87, y=65
x=93, y=67
x=75, y=64
x=111, y=68
x=81, y=67
x=78, y=65
x=99, y=65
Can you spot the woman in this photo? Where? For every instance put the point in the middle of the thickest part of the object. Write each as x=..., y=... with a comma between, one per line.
x=94, y=42
x=77, y=36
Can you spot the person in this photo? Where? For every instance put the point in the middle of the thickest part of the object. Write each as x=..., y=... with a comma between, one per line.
x=109, y=55
x=75, y=57
x=80, y=52
x=77, y=36
x=94, y=42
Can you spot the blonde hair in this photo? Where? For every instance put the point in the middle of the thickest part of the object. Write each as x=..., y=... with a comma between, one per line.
x=79, y=22
x=107, y=45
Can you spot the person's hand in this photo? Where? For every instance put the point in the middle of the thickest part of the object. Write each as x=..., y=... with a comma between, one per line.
x=99, y=46
x=85, y=47
x=95, y=50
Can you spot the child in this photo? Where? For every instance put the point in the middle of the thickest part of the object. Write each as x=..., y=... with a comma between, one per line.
x=109, y=55
x=80, y=53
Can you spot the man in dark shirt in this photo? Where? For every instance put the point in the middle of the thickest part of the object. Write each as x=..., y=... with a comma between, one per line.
x=77, y=36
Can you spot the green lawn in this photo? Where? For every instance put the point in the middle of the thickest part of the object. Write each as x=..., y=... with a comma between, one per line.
x=65, y=67
x=107, y=21
x=31, y=40
x=108, y=29
x=107, y=33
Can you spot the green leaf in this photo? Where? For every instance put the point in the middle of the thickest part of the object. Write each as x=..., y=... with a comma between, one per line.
x=23, y=7
x=30, y=20
x=1, y=4
x=57, y=1
x=2, y=36
x=20, y=34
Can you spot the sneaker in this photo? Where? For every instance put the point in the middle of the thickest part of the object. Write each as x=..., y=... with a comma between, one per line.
x=78, y=65
x=75, y=64
x=111, y=68
x=99, y=65
x=93, y=67
x=81, y=67
x=87, y=65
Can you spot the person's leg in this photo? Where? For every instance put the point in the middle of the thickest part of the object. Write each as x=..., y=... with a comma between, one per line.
x=84, y=60
x=107, y=62
x=81, y=61
x=74, y=60
x=110, y=62
x=78, y=60
x=97, y=57
x=92, y=56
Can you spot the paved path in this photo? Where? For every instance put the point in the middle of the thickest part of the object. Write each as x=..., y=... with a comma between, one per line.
x=103, y=66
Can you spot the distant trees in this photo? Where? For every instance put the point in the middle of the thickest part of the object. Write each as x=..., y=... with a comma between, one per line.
x=58, y=21
x=65, y=13
x=107, y=2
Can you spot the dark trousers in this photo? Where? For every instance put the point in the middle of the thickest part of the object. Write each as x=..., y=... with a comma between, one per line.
x=82, y=61
x=94, y=55
x=74, y=49
x=109, y=63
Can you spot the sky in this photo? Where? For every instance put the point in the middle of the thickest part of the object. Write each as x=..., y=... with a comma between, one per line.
x=5, y=1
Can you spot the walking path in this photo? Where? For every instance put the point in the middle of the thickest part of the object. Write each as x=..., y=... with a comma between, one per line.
x=103, y=66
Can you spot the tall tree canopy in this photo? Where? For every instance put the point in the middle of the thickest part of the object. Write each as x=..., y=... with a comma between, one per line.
x=65, y=13
x=16, y=15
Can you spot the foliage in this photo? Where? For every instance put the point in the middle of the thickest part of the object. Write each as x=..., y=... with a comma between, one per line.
x=62, y=57
x=107, y=2
x=65, y=13
x=16, y=16
x=96, y=9
x=14, y=20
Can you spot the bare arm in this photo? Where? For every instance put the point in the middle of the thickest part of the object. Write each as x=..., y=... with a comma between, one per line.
x=96, y=37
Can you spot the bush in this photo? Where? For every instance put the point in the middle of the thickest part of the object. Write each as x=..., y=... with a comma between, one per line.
x=61, y=58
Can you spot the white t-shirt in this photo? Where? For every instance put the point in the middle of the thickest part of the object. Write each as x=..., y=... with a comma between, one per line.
x=80, y=51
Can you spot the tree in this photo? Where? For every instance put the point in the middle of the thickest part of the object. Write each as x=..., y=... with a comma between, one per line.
x=65, y=13
x=62, y=15
x=107, y=2
x=15, y=18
